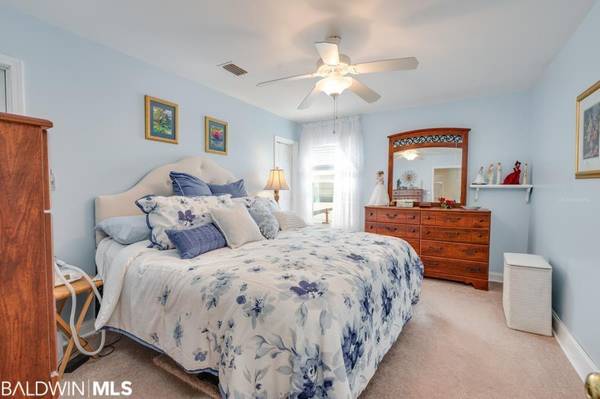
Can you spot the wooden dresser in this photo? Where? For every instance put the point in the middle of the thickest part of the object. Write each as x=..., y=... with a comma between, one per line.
x=28, y=330
x=452, y=243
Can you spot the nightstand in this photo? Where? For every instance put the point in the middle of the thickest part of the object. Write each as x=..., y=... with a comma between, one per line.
x=61, y=296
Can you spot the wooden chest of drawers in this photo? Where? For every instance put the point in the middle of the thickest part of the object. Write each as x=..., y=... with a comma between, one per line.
x=452, y=243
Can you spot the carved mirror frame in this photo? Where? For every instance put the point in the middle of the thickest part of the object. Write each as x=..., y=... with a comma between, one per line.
x=452, y=137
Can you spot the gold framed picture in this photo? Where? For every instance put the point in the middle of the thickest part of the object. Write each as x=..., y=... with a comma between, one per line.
x=587, y=164
x=162, y=120
x=215, y=136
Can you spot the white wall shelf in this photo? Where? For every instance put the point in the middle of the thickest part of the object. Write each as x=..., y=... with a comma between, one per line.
x=526, y=187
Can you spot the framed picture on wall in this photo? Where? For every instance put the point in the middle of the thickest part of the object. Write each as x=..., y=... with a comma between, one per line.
x=215, y=136
x=588, y=134
x=162, y=120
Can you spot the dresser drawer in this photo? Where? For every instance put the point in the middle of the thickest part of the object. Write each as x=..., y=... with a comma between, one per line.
x=415, y=243
x=477, y=236
x=434, y=266
x=406, y=216
x=398, y=230
x=370, y=227
x=455, y=250
x=455, y=219
x=370, y=214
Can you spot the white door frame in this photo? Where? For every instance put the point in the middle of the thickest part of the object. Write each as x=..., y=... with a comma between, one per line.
x=293, y=177
x=283, y=140
x=15, y=84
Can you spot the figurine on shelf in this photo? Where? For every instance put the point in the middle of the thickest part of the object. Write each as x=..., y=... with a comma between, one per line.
x=498, y=173
x=525, y=174
x=380, y=195
x=479, y=179
x=490, y=174
x=515, y=176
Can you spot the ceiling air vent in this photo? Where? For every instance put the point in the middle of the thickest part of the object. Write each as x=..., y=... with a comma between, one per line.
x=234, y=69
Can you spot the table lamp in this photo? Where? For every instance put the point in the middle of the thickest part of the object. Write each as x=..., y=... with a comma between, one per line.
x=276, y=182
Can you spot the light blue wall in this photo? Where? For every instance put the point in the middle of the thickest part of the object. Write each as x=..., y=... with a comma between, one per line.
x=499, y=132
x=95, y=97
x=565, y=219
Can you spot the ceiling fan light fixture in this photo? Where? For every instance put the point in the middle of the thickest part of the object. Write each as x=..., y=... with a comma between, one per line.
x=410, y=155
x=334, y=85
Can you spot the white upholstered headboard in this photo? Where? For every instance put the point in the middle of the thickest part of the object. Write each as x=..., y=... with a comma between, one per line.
x=157, y=182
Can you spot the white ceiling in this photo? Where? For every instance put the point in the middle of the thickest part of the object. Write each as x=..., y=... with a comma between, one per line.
x=466, y=48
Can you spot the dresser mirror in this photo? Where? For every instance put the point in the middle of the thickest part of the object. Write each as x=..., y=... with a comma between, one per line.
x=426, y=164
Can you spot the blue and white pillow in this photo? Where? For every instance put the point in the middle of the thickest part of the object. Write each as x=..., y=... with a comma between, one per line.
x=261, y=210
x=177, y=213
x=193, y=242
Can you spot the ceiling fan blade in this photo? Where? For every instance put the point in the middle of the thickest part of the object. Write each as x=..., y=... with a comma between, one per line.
x=363, y=91
x=308, y=100
x=396, y=64
x=293, y=77
x=329, y=52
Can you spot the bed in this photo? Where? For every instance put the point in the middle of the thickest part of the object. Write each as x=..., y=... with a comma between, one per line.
x=309, y=314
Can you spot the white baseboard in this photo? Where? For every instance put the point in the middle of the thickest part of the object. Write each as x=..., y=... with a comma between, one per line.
x=496, y=277
x=580, y=360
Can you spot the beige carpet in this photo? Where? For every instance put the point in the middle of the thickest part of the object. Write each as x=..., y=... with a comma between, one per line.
x=456, y=346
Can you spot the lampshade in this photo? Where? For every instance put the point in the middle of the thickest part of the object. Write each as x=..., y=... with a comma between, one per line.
x=334, y=85
x=276, y=180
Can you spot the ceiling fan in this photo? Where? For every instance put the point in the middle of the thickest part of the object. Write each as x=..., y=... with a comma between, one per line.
x=334, y=69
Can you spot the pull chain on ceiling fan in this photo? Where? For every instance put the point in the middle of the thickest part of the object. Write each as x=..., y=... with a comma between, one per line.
x=336, y=72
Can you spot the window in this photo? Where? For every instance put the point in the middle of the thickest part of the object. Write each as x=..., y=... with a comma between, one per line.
x=323, y=173
x=12, y=98
x=3, y=107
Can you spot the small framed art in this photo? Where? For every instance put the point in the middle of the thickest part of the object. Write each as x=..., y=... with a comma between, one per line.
x=215, y=136
x=162, y=120
x=588, y=134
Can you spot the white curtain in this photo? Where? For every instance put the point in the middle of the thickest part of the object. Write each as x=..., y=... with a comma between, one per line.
x=348, y=166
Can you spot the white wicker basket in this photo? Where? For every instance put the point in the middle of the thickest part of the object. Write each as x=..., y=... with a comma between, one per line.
x=527, y=293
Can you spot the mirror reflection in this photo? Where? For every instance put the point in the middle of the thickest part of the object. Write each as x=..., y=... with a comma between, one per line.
x=426, y=174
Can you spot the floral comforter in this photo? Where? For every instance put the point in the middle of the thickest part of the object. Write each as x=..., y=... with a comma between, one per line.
x=307, y=315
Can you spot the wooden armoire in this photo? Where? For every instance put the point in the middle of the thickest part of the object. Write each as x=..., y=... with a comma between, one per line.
x=27, y=321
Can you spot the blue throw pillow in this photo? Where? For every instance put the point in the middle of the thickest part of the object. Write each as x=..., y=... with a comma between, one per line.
x=188, y=185
x=236, y=189
x=126, y=229
x=193, y=242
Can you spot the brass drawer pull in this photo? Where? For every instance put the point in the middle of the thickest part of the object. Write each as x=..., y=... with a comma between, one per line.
x=391, y=216
x=474, y=269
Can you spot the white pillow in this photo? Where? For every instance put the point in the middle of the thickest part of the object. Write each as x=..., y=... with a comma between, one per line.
x=289, y=220
x=236, y=224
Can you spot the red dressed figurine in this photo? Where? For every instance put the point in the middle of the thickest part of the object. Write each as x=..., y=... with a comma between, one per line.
x=515, y=176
